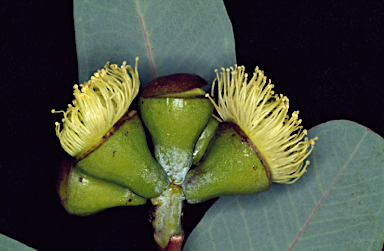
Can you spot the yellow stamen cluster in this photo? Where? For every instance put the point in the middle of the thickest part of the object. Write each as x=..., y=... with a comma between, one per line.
x=262, y=115
x=98, y=105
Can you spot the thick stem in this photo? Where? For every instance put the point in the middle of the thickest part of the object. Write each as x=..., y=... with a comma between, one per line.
x=167, y=222
x=175, y=243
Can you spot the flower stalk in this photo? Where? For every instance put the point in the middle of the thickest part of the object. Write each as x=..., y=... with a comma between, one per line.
x=168, y=215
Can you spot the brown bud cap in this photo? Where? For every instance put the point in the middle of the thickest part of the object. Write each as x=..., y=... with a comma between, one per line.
x=174, y=83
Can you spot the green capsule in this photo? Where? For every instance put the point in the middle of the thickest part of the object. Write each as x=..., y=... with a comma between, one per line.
x=203, y=141
x=124, y=158
x=82, y=194
x=175, y=120
x=230, y=167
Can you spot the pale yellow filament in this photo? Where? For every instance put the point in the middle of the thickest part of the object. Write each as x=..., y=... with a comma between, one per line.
x=263, y=116
x=98, y=105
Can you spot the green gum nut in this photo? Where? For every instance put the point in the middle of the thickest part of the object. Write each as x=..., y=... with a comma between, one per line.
x=175, y=111
x=82, y=194
x=123, y=157
x=204, y=140
x=231, y=166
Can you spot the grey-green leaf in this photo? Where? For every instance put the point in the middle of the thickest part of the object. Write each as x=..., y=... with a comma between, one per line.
x=168, y=36
x=9, y=244
x=337, y=205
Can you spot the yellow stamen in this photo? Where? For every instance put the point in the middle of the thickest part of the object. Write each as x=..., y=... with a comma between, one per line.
x=98, y=105
x=263, y=116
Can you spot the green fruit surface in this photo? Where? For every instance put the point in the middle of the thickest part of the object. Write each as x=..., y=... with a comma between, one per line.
x=230, y=167
x=124, y=159
x=175, y=125
x=204, y=139
x=85, y=195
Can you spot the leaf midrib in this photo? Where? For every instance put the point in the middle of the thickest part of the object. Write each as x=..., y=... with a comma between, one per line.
x=326, y=193
x=146, y=39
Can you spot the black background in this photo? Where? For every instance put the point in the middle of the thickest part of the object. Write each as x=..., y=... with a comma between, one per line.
x=326, y=56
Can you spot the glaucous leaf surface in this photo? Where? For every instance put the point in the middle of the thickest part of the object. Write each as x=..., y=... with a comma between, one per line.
x=168, y=36
x=8, y=244
x=337, y=205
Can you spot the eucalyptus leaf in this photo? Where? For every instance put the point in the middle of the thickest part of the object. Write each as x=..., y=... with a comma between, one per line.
x=9, y=244
x=168, y=37
x=337, y=205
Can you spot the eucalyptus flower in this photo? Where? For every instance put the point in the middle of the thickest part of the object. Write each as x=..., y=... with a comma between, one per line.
x=107, y=140
x=98, y=105
x=257, y=142
x=263, y=116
